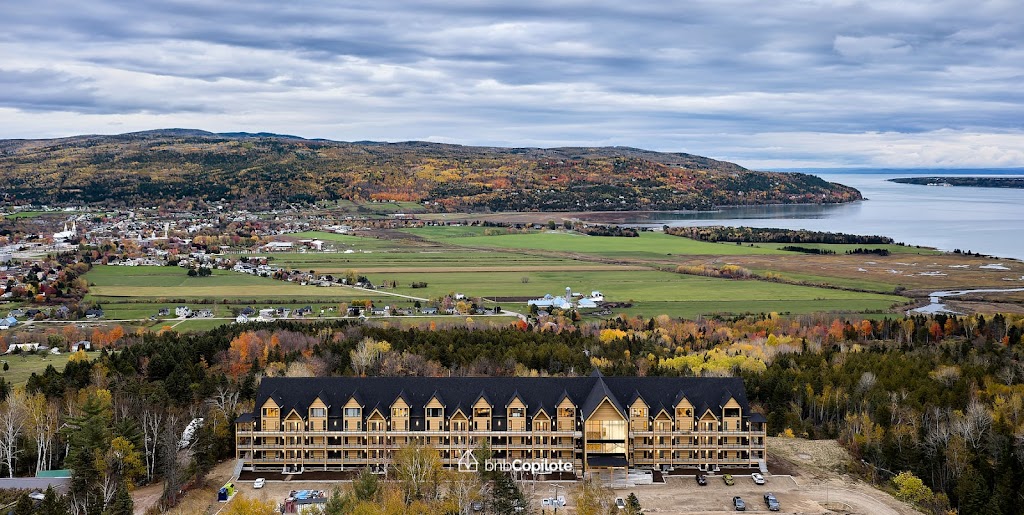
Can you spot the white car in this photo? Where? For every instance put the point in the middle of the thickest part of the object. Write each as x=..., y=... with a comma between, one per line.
x=758, y=478
x=620, y=503
x=260, y=482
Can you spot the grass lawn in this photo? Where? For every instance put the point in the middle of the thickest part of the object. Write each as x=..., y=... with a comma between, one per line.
x=647, y=245
x=441, y=232
x=842, y=282
x=23, y=365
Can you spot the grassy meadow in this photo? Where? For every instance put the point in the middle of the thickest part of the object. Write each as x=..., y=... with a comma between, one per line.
x=506, y=267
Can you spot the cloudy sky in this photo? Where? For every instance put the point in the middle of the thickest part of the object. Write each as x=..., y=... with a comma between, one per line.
x=900, y=83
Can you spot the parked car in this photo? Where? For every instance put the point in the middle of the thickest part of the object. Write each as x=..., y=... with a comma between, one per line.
x=772, y=502
x=702, y=480
x=728, y=479
x=737, y=502
x=620, y=503
x=758, y=478
x=260, y=482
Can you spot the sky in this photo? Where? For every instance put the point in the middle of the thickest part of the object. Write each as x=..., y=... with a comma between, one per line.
x=810, y=83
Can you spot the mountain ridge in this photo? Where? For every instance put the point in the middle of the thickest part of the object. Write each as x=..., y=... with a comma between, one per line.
x=264, y=168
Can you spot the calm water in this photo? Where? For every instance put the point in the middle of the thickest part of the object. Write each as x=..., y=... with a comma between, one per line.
x=985, y=220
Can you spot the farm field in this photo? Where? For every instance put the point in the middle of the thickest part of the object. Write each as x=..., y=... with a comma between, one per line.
x=110, y=282
x=647, y=245
x=24, y=365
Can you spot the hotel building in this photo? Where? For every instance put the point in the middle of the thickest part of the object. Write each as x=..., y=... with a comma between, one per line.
x=595, y=423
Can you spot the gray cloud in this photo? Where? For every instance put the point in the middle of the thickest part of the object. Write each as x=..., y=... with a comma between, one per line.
x=725, y=79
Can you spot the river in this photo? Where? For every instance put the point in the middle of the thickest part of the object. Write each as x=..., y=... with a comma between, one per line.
x=985, y=220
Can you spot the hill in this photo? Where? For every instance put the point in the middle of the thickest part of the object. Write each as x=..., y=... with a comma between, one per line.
x=264, y=169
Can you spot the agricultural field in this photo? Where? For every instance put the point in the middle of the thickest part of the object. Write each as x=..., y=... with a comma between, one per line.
x=110, y=282
x=647, y=245
x=507, y=269
x=24, y=365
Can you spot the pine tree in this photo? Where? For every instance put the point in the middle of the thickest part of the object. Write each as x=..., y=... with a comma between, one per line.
x=24, y=505
x=633, y=505
x=52, y=504
x=122, y=503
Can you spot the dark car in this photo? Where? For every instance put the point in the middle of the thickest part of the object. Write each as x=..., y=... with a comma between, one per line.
x=702, y=480
x=738, y=503
x=771, y=502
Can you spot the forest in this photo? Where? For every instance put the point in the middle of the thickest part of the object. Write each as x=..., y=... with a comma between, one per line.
x=937, y=398
x=766, y=235
x=264, y=171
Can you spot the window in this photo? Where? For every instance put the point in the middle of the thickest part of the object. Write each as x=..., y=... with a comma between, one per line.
x=351, y=412
x=318, y=412
x=271, y=412
x=517, y=412
x=566, y=412
x=732, y=412
x=638, y=412
x=435, y=412
x=399, y=412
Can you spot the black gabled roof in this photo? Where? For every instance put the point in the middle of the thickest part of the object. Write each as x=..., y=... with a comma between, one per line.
x=596, y=396
x=547, y=392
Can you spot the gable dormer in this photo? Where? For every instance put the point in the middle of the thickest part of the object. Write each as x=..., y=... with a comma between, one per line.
x=317, y=414
x=293, y=421
x=400, y=414
x=565, y=414
x=482, y=411
x=376, y=421
x=732, y=413
x=639, y=413
x=708, y=420
x=434, y=413
x=541, y=421
x=270, y=415
x=683, y=412
x=352, y=415
x=515, y=413
x=458, y=421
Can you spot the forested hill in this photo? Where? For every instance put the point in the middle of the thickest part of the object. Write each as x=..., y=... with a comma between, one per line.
x=266, y=169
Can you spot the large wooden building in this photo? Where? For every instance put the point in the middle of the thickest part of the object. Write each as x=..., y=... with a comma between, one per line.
x=594, y=423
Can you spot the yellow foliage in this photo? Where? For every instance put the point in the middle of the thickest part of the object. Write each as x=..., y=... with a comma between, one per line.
x=610, y=335
x=78, y=355
x=244, y=505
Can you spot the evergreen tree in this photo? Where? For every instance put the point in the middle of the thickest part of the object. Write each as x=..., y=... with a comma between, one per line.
x=52, y=504
x=507, y=495
x=633, y=505
x=365, y=485
x=24, y=505
x=122, y=503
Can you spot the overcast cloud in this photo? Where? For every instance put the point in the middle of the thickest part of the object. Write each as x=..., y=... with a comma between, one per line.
x=812, y=83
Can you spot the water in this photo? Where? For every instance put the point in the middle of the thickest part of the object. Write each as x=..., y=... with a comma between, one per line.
x=985, y=220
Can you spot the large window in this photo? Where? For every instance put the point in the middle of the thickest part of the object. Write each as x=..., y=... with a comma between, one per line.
x=318, y=412
x=517, y=412
x=351, y=412
x=271, y=412
x=399, y=412
x=435, y=412
x=606, y=430
x=637, y=412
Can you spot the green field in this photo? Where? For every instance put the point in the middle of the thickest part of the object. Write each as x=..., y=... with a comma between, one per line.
x=348, y=241
x=647, y=245
x=154, y=282
x=31, y=214
x=23, y=365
